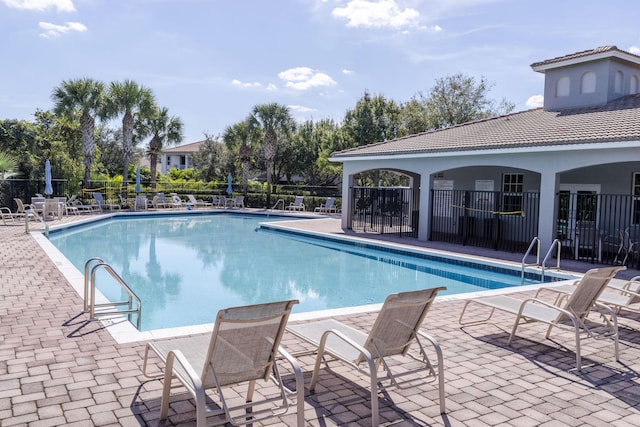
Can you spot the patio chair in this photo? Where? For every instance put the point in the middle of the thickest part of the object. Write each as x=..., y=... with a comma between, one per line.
x=296, y=205
x=394, y=331
x=198, y=202
x=78, y=206
x=176, y=201
x=243, y=348
x=8, y=217
x=97, y=196
x=52, y=208
x=572, y=315
x=618, y=295
x=140, y=203
x=328, y=206
x=160, y=201
x=24, y=211
x=215, y=201
x=236, y=202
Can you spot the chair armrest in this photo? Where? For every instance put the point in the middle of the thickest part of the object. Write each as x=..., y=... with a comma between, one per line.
x=193, y=376
x=546, y=304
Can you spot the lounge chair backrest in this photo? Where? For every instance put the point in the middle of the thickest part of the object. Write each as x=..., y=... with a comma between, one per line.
x=176, y=200
x=192, y=199
x=298, y=201
x=400, y=317
x=162, y=198
x=329, y=203
x=245, y=341
x=588, y=290
x=98, y=198
x=21, y=208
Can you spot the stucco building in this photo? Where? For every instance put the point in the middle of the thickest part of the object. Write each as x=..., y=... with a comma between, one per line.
x=568, y=171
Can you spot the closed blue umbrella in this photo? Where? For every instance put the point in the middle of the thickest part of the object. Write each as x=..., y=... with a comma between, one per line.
x=137, y=180
x=48, y=189
x=229, y=186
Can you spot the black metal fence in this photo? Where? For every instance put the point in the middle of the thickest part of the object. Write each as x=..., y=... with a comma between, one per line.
x=384, y=210
x=596, y=228
x=602, y=228
x=490, y=219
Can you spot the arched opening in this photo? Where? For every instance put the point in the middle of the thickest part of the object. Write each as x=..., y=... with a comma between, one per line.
x=588, y=82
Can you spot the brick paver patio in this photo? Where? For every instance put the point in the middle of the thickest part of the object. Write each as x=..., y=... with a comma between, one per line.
x=58, y=369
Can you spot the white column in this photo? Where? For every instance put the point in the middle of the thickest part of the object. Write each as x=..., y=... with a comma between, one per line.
x=547, y=221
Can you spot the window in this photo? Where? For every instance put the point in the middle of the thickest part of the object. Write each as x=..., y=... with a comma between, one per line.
x=563, y=86
x=588, y=82
x=633, y=89
x=636, y=198
x=512, y=192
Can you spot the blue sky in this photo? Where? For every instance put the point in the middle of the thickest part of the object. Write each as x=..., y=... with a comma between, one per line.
x=210, y=61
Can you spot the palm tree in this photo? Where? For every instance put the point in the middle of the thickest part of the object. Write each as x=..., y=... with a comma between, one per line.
x=276, y=123
x=239, y=135
x=164, y=129
x=136, y=102
x=8, y=166
x=87, y=96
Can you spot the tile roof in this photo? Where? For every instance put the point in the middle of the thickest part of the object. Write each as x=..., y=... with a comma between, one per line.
x=186, y=148
x=618, y=120
x=585, y=55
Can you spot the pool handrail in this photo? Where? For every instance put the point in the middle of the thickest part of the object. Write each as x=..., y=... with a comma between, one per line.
x=90, y=295
x=534, y=241
x=556, y=242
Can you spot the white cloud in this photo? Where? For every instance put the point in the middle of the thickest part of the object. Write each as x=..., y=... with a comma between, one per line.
x=55, y=30
x=300, y=109
x=238, y=83
x=303, y=78
x=40, y=5
x=535, y=101
x=271, y=87
x=347, y=72
x=635, y=50
x=377, y=14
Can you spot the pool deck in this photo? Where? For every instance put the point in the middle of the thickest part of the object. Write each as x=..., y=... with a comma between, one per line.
x=58, y=369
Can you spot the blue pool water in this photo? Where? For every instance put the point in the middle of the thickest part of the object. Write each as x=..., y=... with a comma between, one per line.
x=185, y=268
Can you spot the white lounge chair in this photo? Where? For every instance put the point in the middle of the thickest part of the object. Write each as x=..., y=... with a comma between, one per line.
x=296, y=205
x=160, y=201
x=571, y=315
x=243, y=348
x=8, y=217
x=25, y=210
x=97, y=196
x=328, y=207
x=198, y=202
x=396, y=329
x=618, y=294
x=176, y=201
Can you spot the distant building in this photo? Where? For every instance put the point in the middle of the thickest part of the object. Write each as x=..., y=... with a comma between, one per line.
x=179, y=157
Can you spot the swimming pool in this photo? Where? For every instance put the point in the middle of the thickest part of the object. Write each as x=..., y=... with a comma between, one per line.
x=185, y=268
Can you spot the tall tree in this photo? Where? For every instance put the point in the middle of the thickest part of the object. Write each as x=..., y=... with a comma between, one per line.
x=87, y=97
x=374, y=119
x=164, y=130
x=237, y=137
x=276, y=124
x=459, y=99
x=134, y=101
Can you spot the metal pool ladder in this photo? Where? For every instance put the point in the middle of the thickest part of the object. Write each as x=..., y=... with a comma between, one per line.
x=107, y=309
x=534, y=243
